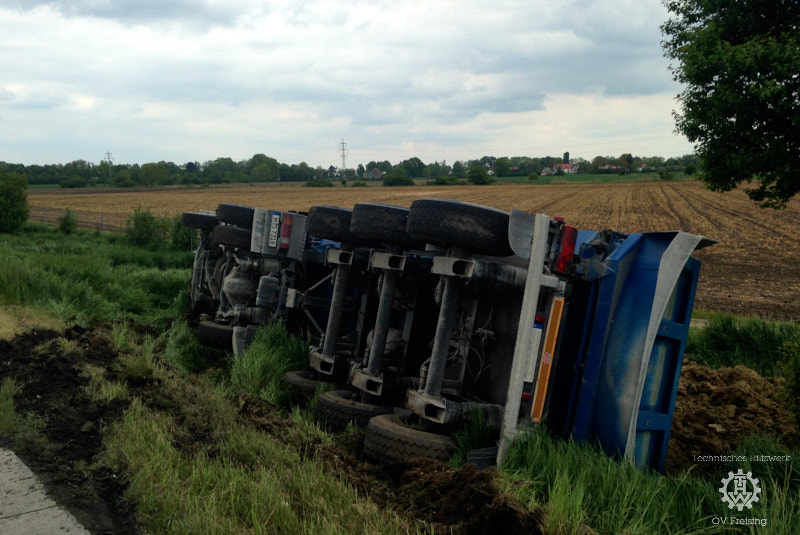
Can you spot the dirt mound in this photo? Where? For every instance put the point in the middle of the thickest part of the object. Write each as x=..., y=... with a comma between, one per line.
x=465, y=500
x=47, y=365
x=457, y=501
x=716, y=410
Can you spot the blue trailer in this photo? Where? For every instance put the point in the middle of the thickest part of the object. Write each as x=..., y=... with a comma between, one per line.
x=613, y=376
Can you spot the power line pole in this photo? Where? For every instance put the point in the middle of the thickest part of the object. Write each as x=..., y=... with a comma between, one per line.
x=109, y=159
x=343, y=153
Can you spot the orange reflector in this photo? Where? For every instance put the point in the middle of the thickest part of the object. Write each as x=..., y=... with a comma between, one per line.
x=546, y=364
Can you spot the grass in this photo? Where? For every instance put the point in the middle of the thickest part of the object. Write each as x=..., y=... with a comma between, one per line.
x=580, y=487
x=15, y=319
x=8, y=417
x=85, y=278
x=100, y=389
x=234, y=478
x=184, y=351
x=752, y=342
x=475, y=434
x=24, y=429
x=273, y=353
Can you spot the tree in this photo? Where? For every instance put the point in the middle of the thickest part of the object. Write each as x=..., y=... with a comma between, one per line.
x=262, y=168
x=625, y=161
x=479, y=175
x=414, y=167
x=459, y=170
x=153, y=174
x=741, y=103
x=398, y=177
x=260, y=173
x=13, y=201
x=502, y=167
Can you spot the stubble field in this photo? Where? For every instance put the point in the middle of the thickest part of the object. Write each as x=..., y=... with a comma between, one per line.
x=753, y=270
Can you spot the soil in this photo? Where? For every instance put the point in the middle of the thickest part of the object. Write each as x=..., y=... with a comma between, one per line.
x=464, y=501
x=51, y=389
x=716, y=410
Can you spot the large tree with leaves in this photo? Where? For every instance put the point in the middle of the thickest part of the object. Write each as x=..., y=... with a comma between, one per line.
x=13, y=200
x=740, y=63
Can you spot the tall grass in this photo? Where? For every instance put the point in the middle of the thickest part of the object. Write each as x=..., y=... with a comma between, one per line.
x=752, y=342
x=184, y=351
x=273, y=353
x=86, y=278
x=580, y=487
x=236, y=480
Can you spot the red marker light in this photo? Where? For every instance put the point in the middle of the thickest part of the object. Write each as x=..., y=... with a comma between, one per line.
x=569, y=235
x=286, y=230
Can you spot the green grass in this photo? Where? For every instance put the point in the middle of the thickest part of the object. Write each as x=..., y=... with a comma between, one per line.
x=596, y=179
x=184, y=351
x=24, y=429
x=236, y=479
x=86, y=278
x=475, y=434
x=8, y=416
x=579, y=486
x=100, y=388
x=273, y=353
x=752, y=342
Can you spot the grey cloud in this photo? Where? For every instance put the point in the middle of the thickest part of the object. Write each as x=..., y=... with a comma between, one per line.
x=137, y=11
x=34, y=100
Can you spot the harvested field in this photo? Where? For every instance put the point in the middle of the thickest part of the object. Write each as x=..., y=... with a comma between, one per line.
x=754, y=270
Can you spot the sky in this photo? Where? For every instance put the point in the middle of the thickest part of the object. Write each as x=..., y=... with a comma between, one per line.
x=181, y=80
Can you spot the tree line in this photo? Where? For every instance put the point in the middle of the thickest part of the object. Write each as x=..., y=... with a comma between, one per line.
x=262, y=168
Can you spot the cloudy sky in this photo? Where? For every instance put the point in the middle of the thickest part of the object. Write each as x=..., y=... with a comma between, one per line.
x=191, y=80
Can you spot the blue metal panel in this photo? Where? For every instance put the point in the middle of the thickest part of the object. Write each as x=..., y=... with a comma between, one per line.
x=664, y=371
x=616, y=268
x=627, y=394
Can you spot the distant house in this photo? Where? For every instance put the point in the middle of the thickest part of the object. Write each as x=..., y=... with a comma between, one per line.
x=547, y=171
x=567, y=168
x=374, y=174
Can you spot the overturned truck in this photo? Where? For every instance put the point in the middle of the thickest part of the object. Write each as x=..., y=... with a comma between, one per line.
x=427, y=319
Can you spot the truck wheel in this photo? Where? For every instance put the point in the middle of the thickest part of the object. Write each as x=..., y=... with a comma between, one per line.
x=201, y=220
x=384, y=223
x=390, y=439
x=236, y=214
x=303, y=384
x=336, y=408
x=330, y=223
x=232, y=237
x=480, y=229
x=215, y=335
